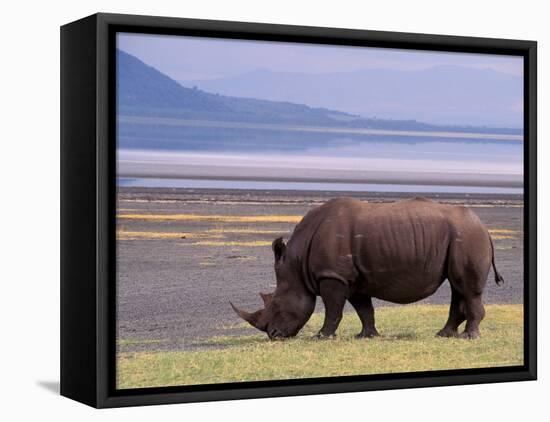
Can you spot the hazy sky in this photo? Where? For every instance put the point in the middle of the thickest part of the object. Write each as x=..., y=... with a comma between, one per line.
x=187, y=58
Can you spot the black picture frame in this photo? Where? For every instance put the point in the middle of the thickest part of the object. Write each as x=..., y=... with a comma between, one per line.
x=88, y=209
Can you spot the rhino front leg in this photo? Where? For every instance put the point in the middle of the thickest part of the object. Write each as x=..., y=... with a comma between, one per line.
x=334, y=294
x=363, y=306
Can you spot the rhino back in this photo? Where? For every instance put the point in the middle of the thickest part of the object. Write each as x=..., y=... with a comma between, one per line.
x=396, y=252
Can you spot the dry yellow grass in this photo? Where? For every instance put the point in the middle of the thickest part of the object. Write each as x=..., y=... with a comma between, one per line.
x=131, y=235
x=217, y=233
x=230, y=230
x=500, y=234
x=252, y=243
x=245, y=219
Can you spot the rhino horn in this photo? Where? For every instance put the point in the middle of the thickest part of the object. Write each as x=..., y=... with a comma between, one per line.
x=251, y=318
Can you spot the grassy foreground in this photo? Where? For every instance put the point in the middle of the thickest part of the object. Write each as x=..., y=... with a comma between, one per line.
x=407, y=343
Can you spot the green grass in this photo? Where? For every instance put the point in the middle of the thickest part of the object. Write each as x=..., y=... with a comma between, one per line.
x=407, y=343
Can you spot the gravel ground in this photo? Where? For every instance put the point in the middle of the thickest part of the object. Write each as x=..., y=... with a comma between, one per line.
x=173, y=289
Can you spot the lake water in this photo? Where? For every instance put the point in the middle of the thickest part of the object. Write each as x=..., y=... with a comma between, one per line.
x=275, y=160
x=339, y=187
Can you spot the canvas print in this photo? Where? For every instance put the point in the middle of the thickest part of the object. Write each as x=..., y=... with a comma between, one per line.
x=296, y=211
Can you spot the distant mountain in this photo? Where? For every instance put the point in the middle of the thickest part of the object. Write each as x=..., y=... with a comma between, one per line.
x=140, y=85
x=443, y=95
x=143, y=91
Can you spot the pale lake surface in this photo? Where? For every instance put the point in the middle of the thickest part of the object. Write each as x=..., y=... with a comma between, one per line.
x=374, y=163
x=310, y=186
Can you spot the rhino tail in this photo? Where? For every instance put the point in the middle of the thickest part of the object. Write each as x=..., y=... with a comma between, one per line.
x=498, y=278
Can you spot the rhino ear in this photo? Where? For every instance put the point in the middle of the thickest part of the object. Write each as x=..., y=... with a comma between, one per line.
x=266, y=297
x=279, y=248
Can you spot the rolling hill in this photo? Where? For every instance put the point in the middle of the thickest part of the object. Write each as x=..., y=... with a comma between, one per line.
x=444, y=95
x=144, y=91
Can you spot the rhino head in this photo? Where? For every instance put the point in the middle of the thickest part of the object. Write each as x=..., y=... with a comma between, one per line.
x=289, y=307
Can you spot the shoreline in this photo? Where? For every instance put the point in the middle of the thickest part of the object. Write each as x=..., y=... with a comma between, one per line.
x=190, y=172
x=176, y=194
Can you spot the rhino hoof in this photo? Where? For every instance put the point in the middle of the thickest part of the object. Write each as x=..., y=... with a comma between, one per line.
x=469, y=335
x=321, y=336
x=368, y=334
x=447, y=333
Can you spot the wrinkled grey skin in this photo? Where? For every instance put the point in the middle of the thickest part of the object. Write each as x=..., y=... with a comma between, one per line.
x=348, y=250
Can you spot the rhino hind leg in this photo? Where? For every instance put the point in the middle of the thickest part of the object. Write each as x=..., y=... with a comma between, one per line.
x=334, y=294
x=469, y=264
x=365, y=310
x=456, y=315
x=475, y=312
x=471, y=305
